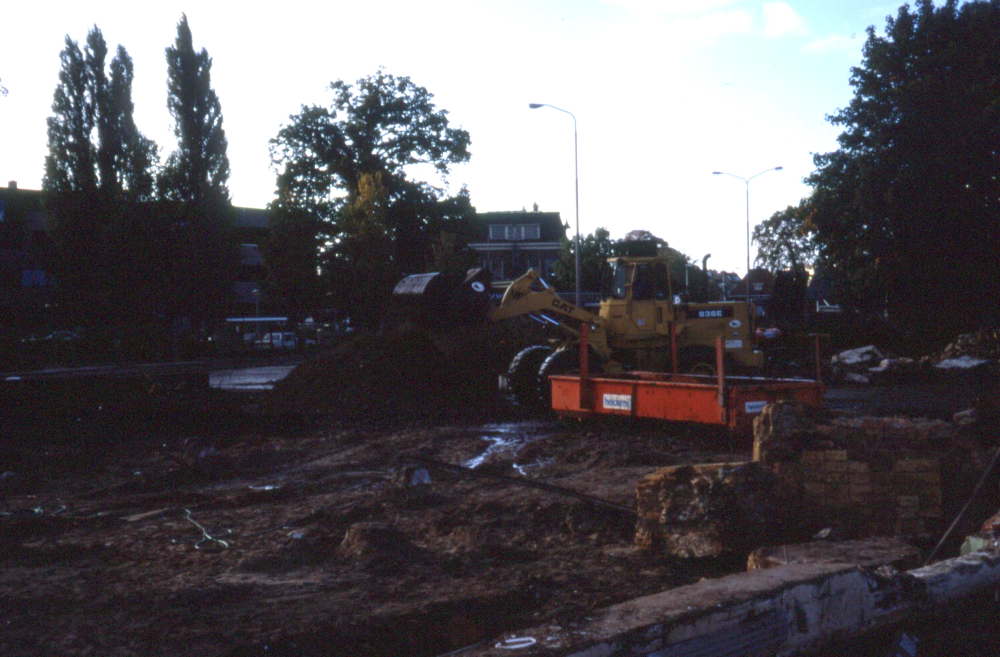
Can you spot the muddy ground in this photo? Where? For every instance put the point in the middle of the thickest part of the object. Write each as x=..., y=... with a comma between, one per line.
x=274, y=534
x=336, y=539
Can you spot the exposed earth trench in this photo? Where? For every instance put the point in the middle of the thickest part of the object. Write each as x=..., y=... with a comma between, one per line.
x=241, y=527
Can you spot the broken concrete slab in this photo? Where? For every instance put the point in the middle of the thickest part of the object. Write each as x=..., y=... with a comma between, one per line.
x=859, y=356
x=777, y=611
x=870, y=553
x=961, y=363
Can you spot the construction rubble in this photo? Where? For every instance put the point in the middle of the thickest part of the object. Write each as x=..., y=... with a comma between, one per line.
x=861, y=476
x=384, y=500
x=868, y=364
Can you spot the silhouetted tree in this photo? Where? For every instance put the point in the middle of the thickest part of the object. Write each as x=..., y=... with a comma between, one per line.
x=98, y=165
x=134, y=157
x=198, y=171
x=906, y=209
x=69, y=166
x=375, y=129
x=195, y=177
x=785, y=240
x=595, y=249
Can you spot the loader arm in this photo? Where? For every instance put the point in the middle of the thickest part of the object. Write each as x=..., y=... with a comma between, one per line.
x=520, y=299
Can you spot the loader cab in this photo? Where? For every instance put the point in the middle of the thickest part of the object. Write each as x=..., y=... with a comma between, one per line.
x=637, y=296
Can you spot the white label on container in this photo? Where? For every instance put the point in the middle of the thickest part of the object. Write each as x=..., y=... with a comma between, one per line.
x=617, y=402
x=755, y=406
x=734, y=344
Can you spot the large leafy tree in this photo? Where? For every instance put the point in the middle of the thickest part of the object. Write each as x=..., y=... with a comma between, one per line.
x=198, y=171
x=595, y=249
x=376, y=136
x=785, y=240
x=907, y=208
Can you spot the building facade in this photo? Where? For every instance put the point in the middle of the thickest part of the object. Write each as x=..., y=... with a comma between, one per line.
x=510, y=243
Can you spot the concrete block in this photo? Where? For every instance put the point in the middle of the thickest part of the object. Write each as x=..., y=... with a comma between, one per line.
x=869, y=553
x=785, y=610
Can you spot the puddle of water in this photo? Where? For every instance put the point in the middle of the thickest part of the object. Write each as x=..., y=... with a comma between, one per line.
x=509, y=437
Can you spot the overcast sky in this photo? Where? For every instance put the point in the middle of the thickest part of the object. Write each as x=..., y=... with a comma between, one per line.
x=664, y=92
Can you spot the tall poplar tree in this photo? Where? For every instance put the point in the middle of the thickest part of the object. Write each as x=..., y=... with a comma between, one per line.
x=195, y=176
x=97, y=163
x=198, y=171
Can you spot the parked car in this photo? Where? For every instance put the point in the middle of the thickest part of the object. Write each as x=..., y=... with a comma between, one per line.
x=277, y=341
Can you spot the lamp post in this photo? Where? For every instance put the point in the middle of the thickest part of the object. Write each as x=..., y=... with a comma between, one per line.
x=576, y=172
x=747, y=183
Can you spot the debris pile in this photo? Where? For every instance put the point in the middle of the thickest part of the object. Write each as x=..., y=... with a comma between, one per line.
x=867, y=364
x=852, y=365
x=407, y=373
x=707, y=510
x=870, y=475
x=813, y=475
x=968, y=350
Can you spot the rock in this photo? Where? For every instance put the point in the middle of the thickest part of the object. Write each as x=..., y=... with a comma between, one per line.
x=966, y=417
x=862, y=356
x=780, y=431
x=410, y=476
x=961, y=363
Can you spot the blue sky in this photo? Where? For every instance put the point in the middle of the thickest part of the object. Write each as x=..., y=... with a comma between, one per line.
x=664, y=92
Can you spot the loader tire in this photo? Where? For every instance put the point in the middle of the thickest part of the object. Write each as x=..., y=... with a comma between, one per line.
x=522, y=375
x=564, y=361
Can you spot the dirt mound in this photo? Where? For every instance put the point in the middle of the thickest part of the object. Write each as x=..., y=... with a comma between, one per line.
x=405, y=373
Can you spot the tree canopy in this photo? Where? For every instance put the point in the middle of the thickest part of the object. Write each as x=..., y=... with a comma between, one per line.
x=98, y=165
x=785, y=240
x=906, y=209
x=198, y=171
x=376, y=136
x=597, y=247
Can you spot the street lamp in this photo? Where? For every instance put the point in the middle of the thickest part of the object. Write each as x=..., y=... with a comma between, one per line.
x=576, y=168
x=747, y=182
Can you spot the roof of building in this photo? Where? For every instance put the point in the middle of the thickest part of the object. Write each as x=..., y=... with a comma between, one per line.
x=551, y=227
x=251, y=218
x=30, y=201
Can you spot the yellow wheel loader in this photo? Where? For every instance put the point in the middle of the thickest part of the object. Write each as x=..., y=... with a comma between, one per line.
x=639, y=325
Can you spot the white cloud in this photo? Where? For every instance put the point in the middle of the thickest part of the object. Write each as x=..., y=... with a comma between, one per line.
x=837, y=43
x=673, y=7
x=781, y=19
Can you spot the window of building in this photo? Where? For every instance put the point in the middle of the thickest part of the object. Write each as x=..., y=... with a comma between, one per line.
x=496, y=267
x=508, y=233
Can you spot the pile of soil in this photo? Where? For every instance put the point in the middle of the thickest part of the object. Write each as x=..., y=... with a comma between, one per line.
x=407, y=373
